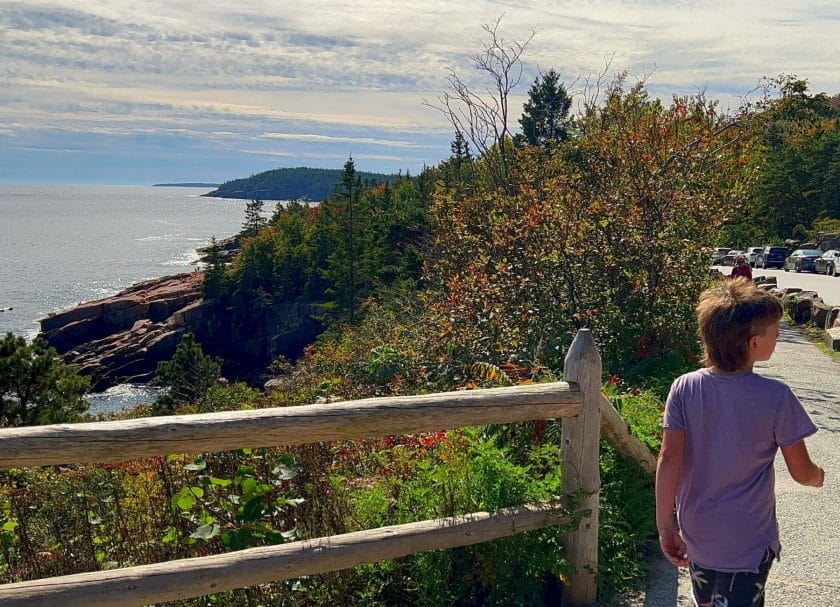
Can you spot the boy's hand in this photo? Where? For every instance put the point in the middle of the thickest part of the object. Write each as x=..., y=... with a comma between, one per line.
x=673, y=547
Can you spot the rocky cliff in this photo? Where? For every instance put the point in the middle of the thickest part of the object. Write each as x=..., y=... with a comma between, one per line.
x=122, y=338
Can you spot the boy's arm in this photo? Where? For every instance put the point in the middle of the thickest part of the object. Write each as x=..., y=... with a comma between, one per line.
x=668, y=469
x=803, y=470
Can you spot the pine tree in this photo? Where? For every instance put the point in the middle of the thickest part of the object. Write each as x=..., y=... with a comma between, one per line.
x=254, y=220
x=544, y=119
x=188, y=375
x=214, y=277
x=460, y=163
x=342, y=262
x=35, y=386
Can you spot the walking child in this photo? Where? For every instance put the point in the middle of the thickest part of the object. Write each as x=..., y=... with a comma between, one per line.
x=722, y=428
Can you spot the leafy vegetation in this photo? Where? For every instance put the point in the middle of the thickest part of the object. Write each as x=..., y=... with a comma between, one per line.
x=798, y=148
x=188, y=376
x=335, y=254
x=35, y=386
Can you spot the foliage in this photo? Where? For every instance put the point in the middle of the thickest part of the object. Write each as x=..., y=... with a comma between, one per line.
x=213, y=282
x=798, y=137
x=606, y=233
x=35, y=386
x=189, y=375
x=446, y=474
x=254, y=220
x=627, y=528
x=365, y=237
x=826, y=226
x=246, y=508
x=62, y=520
x=545, y=116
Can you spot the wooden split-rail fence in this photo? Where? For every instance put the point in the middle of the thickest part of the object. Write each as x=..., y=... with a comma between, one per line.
x=578, y=400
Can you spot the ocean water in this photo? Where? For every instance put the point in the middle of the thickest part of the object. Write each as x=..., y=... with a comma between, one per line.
x=61, y=245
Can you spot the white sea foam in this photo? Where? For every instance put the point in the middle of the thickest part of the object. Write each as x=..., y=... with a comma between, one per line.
x=160, y=238
x=186, y=258
x=121, y=397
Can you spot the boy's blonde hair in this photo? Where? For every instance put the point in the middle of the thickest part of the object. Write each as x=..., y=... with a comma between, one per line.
x=729, y=315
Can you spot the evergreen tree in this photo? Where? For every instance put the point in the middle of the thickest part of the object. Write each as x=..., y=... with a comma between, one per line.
x=214, y=277
x=343, y=259
x=254, y=220
x=35, y=386
x=189, y=375
x=460, y=164
x=545, y=118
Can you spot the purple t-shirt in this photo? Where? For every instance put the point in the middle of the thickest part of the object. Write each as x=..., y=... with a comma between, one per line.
x=734, y=423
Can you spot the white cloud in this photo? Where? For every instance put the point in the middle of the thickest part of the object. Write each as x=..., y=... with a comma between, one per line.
x=325, y=73
x=389, y=143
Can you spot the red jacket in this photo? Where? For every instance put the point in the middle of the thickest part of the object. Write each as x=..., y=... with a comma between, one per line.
x=741, y=270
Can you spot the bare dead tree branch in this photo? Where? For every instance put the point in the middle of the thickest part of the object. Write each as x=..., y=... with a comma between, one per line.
x=484, y=117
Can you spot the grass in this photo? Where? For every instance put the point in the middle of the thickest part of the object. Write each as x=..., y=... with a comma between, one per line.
x=816, y=336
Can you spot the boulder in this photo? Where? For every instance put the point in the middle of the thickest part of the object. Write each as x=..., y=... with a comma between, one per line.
x=833, y=318
x=800, y=306
x=819, y=312
x=832, y=338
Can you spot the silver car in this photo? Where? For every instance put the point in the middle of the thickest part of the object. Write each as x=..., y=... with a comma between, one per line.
x=752, y=253
x=827, y=263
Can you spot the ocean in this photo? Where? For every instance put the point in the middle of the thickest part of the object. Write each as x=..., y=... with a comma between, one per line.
x=64, y=244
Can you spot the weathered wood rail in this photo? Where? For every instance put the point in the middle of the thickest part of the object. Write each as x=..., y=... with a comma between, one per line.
x=586, y=415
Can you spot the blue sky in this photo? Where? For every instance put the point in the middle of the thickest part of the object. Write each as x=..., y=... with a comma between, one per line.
x=120, y=91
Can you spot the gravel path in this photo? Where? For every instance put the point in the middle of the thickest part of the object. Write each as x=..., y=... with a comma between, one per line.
x=808, y=574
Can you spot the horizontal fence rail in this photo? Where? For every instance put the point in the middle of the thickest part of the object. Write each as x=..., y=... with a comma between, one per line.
x=109, y=442
x=188, y=578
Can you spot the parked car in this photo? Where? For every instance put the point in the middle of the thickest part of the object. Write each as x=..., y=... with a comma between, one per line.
x=718, y=255
x=802, y=260
x=731, y=256
x=828, y=263
x=771, y=257
x=752, y=253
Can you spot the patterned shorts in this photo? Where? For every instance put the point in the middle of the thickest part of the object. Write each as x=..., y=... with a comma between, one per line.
x=712, y=588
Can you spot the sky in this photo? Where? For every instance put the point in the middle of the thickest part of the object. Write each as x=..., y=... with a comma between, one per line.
x=131, y=92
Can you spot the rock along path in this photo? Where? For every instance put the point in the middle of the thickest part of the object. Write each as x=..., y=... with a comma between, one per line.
x=808, y=574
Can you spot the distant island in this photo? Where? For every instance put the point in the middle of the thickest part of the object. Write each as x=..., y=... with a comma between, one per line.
x=188, y=184
x=291, y=184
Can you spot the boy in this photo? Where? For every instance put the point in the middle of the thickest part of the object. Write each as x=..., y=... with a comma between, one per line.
x=723, y=425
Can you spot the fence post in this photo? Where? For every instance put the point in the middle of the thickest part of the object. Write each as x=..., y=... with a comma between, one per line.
x=581, y=453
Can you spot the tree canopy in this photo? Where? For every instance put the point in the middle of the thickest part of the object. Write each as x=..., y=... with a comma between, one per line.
x=545, y=116
x=188, y=376
x=36, y=387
